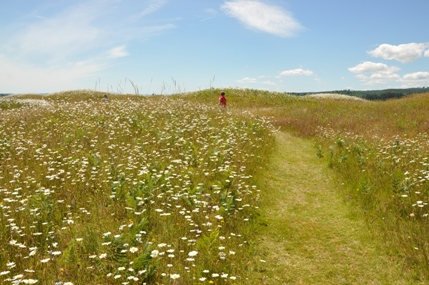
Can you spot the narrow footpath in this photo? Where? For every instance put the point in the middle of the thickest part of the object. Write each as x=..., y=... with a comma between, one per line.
x=309, y=233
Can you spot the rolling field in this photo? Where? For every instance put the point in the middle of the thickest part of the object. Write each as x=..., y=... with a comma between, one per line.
x=167, y=189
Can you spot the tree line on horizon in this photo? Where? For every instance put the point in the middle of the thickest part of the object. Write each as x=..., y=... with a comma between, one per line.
x=379, y=95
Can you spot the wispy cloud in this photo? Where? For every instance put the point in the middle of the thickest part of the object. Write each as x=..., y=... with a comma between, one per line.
x=247, y=80
x=296, y=72
x=259, y=16
x=46, y=78
x=69, y=32
x=403, y=53
x=117, y=52
x=76, y=41
x=152, y=7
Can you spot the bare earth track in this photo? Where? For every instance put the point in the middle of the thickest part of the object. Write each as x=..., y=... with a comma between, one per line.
x=310, y=234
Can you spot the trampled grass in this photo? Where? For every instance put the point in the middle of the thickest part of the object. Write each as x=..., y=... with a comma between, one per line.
x=382, y=151
x=380, y=148
x=135, y=190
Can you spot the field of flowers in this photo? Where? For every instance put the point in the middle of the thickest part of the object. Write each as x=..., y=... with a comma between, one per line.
x=381, y=148
x=389, y=180
x=130, y=191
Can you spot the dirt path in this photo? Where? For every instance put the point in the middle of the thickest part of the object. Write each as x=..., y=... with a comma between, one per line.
x=311, y=236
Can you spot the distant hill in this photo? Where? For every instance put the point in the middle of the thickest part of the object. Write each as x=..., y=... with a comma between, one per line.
x=374, y=94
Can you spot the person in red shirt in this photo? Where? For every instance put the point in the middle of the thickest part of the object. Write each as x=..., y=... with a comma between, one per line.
x=222, y=99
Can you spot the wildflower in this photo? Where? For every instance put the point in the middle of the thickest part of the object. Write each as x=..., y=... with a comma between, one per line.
x=68, y=283
x=133, y=249
x=10, y=265
x=219, y=217
x=154, y=253
x=29, y=281
x=174, y=276
x=45, y=260
x=193, y=253
x=103, y=255
x=4, y=273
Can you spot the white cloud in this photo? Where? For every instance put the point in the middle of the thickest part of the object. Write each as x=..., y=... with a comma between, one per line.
x=63, y=34
x=416, y=79
x=73, y=43
x=117, y=52
x=427, y=53
x=417, y=76
x=403, y=53
x=44, y=79
x=90, y=25
x=268, y=82
x=298, y=71
x=380, y=73
x=154, y=6
x=371, y=73
x=263, y=17
x=373, y=67
x=247, y=80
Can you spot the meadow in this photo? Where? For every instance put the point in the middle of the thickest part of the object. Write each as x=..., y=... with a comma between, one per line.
x=381, y=150
x=165, y=189
x=135, y=190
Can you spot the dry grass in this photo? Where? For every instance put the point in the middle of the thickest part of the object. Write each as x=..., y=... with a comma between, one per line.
x=310, y=235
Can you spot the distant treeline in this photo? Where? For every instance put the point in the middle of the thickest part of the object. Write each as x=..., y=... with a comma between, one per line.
x=374, y=94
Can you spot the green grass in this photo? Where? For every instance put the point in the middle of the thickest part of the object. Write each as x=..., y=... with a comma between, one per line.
x=310, y=234
x=379, y=148
x=142, y=190
x=166, y=189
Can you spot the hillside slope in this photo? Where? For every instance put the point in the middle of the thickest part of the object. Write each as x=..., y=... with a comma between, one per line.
x=310, y=235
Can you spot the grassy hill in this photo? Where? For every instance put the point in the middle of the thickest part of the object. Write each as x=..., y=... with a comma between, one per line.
x=166, y=189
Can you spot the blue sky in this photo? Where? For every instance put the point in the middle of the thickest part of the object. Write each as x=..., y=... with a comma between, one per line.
x=170, y=46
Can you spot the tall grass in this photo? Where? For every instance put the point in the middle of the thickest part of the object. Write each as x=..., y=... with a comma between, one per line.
x=162, y=189
x=380, y=148
x=134, y=190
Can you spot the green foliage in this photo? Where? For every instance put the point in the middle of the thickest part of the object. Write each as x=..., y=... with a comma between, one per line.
x=110, y=192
